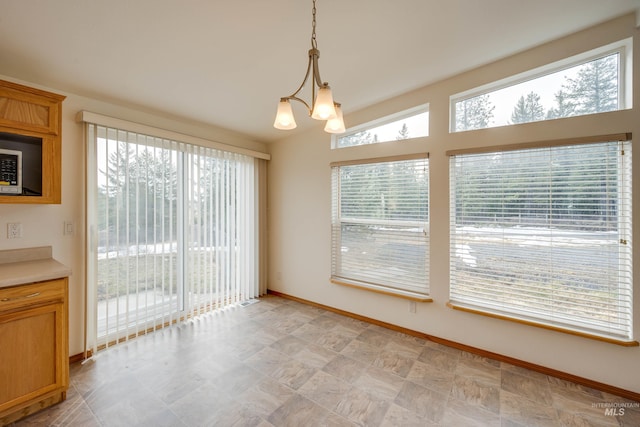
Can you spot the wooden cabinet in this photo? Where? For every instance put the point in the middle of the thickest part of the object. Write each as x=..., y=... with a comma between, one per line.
x=37, y=115
x=34, y=349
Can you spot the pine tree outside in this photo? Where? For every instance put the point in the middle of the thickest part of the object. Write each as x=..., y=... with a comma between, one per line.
x=590, y=87
x=413, y=123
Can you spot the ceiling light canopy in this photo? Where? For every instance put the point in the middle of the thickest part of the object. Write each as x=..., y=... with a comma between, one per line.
x=322, y=105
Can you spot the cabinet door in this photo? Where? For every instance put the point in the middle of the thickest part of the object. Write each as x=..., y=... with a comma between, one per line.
x=29, y=109
x=31, y=354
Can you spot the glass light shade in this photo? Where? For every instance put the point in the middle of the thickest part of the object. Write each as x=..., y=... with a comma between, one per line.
x=323, y=109
x=284, y=116
x=335, y=125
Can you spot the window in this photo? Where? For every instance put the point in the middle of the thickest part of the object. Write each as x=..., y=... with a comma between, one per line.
x=380, y=224
x=174, y=231
x=543, y=235
x=407, y=124
x=587, y=84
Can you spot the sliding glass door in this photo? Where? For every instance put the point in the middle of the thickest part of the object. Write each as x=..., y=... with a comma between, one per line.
x=173, y=231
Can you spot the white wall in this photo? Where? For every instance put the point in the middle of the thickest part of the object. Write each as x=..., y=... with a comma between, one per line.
x=300, y=208
x=43, y=224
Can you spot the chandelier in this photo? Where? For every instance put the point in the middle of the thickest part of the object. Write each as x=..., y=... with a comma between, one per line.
x=322, y=105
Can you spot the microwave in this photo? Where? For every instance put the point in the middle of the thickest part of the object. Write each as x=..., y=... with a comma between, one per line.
x=10, y=171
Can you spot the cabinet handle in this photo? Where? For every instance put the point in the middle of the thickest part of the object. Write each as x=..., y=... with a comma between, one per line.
x=35, y=294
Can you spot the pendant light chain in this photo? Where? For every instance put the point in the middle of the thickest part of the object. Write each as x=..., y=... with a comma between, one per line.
x=314, y=43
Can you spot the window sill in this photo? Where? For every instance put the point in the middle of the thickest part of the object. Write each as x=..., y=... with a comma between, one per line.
x=495, y=315
x=410, y=295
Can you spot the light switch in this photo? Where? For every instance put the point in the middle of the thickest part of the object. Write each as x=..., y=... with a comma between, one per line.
x=68, y=228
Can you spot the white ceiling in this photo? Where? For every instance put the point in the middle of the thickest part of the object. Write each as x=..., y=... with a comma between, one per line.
x=227, y=63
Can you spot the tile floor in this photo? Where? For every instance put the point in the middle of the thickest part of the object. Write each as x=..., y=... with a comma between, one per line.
x=281, y=363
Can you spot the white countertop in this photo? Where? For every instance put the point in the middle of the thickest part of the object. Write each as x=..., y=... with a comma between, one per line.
x=21, y=266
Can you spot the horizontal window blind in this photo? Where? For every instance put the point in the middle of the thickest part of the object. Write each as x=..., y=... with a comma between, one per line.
x=380, y=223
x=544, y=235
x=174, y=231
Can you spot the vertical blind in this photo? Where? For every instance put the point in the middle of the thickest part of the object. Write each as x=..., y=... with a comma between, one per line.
x=544, y=235
x=174, y=231
x=380, y=222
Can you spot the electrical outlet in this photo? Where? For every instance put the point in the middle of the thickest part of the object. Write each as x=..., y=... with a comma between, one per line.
x=14, y=230
x=412, y=306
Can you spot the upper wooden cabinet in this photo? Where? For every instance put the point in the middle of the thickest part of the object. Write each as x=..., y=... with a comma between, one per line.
x=31, y=122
